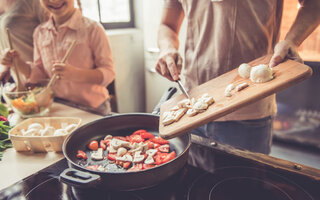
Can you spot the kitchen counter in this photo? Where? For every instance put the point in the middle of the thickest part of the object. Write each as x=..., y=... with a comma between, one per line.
x=19, y=165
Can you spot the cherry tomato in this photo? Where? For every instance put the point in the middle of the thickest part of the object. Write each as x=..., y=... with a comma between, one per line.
x=111, y=156
x=159, y=140
x=93, y=145
x=126, y=165
x=81, y=155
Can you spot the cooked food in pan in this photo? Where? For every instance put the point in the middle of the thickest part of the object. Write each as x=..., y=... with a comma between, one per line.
x=141, y=150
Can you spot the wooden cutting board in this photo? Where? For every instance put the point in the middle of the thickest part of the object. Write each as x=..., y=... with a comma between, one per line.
x=286, y=74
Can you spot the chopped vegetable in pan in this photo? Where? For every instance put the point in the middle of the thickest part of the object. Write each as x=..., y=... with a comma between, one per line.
x=141, y=150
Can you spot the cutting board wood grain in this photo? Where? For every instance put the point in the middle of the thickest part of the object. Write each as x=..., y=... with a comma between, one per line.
x=286, y=74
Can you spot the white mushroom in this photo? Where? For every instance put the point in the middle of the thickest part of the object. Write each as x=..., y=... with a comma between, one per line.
x=241, y=86
x=151, y=152
x=108, y=137
x=244, y=70
x=59, y=132
x=111, y=149
x=49, y=130
x=184, y=103
x=149, y=160
x=229, y=88
x=261, y=73
x=36, y=126
x=179, y=113
x=29, y=132
x=70, y=127
x=116, y=143
x=125, y=158
x=200, y=105
x=97, y=155
x=138, y=157
x=191, y=112
x=121, y=151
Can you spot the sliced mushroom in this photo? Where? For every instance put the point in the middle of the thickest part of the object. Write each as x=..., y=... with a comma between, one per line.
x=125, y=158
x=184, y=103
x=229, y=88
x=70, y=127
x=97, y=155
x=151, y=152
x=121, y=151
x=241, y=86
x=149, y=160
x=111, y=149
x=179, y=113
x=116, y=143
x=49, y=130
x=59, y=132
x=108, y=137
x=138, y=157
x=191, y=112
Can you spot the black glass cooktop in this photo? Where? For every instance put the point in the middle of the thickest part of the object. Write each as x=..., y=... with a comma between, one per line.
x=209, y=174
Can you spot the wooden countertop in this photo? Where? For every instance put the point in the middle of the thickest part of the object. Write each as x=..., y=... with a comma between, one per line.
x=17, y=165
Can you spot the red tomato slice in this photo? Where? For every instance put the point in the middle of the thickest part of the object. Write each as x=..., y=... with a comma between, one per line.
x=136, y=167
x=111, y=156
x=159, y=140
x=103, y=145
x=138, y=132
x=93, y=145
x=164, y=148
x=93, y=167
x=148, y=166
x=136, y=138
x=121, y=138
x=81, y=155
x=169, y=157
x=146, y=135
x=159, y=157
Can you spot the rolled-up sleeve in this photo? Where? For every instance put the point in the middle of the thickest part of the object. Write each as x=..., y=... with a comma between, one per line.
x=37, y=70
x=102, y=54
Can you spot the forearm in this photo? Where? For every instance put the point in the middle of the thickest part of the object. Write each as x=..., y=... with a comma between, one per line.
x=23, y=67
x=167, y=38
x=306, y=22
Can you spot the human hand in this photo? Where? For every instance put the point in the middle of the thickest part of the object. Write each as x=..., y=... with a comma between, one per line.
x=282, y=50
x=8, y=56
x=169, y=65
x=66, y=71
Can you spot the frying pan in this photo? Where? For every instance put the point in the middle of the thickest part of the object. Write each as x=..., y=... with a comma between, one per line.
x=121, y=125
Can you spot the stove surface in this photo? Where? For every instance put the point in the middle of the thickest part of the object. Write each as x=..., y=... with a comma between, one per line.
x=209, y=174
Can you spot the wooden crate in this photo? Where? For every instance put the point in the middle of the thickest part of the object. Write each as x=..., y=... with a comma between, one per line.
x=40, y=143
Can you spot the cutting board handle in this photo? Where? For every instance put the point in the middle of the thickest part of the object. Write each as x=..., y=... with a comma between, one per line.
x=166, y=96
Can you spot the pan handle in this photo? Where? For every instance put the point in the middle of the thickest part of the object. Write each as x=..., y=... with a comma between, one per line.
x=78, y=178
x=167, y=95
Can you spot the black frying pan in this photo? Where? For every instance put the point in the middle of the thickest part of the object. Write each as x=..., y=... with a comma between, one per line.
x=121, y=125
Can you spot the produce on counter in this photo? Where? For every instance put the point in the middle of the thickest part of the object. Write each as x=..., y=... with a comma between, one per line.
x=141, y=150
x=38, y=129
x=4, y=130
x=189, y=106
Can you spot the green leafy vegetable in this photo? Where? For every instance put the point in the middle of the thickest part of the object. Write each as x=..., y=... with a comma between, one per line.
x=4, y=131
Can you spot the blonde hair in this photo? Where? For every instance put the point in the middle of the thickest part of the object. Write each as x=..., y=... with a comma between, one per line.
x=79, y=5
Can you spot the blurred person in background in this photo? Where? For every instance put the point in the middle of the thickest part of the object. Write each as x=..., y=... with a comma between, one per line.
x=89, y=69
x=21, y=17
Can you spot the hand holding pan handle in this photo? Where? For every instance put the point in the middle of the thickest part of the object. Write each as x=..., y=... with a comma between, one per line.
x=166, y=96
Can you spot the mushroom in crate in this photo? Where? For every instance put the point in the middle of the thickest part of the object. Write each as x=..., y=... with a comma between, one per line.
x=43, y=134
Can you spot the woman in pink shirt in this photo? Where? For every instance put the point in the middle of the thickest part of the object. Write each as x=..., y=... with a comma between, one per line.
x=89, y=68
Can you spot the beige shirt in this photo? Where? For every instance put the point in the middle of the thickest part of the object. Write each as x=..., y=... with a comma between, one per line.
x=222, y=34
x=21, y=19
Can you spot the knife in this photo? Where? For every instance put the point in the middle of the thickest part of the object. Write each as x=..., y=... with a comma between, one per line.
x=184, y=91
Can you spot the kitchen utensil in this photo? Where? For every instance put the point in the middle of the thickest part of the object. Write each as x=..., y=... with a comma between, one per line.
x=41, y=143
x=20, y=86
x=286, y=74
x=120, y=125
x=42, y=97
x=184, y=91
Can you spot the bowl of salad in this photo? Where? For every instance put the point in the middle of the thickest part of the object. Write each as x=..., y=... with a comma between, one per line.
x=26, y=103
